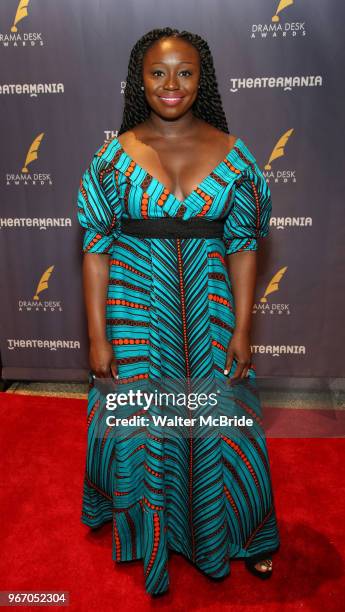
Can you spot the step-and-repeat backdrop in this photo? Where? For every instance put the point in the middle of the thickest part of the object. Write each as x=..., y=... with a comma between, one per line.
x=63, y=70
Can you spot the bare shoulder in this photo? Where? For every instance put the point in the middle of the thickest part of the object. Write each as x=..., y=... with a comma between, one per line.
x=232, y=140
x=126, y=137
x=210, y=132
x=138, y=133
x=228, y=139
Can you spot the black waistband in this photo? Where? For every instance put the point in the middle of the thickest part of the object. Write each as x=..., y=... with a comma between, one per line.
x=173, y=227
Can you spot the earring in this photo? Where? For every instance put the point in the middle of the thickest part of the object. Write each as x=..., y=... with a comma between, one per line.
x=142, y=87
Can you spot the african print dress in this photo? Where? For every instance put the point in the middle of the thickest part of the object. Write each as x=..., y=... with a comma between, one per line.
x=170, y=316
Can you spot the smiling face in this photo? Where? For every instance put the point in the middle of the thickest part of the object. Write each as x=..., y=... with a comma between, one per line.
x=171, y=71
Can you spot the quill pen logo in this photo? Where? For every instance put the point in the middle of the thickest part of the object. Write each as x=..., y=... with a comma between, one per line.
x=280, y=174
x=279, y=148
x=283, y=176
x=276, y=28
x=37, y=303
x=20, y=14
x=15, y=38
x=32, y=153
x=283, y=4
x=43, y=282
x=273, y=286
x=26, y=177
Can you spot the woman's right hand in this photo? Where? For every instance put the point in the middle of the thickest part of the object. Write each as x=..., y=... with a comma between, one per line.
x=101, y=359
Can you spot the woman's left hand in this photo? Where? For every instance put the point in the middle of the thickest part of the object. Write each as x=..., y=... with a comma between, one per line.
x=239, y=349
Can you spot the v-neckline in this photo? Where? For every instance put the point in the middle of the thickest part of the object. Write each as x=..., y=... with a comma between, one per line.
x=166, y=190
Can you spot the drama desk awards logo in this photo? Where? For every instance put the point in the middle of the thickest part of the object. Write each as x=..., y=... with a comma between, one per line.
x=279, y=173
x=25, y=176
x=36, y=303
x=266, y=306
x=15, y=36
x=280, y=26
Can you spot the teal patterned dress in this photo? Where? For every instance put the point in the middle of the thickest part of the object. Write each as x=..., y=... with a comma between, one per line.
x=170, y=315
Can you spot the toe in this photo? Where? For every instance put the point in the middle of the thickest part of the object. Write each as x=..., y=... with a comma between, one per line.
x=261, y=567
x=264, y=566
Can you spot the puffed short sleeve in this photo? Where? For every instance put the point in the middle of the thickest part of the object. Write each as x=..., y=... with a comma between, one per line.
x=99, y=208
x=249, y=215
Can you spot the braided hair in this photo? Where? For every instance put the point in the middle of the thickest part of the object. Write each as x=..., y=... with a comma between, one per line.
x=208, y=104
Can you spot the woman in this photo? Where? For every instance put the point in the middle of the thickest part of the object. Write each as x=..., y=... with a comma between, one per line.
x=172, y=209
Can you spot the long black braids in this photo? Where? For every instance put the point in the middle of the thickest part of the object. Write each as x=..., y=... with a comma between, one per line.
x=208, y=104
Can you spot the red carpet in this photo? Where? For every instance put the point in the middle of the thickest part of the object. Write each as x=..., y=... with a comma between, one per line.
x=46, y=547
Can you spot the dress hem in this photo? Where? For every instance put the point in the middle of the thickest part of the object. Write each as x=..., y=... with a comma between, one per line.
x=174, y=548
